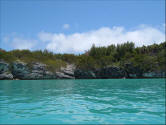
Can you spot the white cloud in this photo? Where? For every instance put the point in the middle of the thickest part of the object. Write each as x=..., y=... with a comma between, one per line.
x=19, y=43
x=66, y=26
x=44, y=36
x=79, y=42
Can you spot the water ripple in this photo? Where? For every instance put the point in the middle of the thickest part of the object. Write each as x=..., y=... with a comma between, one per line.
x=83, y=101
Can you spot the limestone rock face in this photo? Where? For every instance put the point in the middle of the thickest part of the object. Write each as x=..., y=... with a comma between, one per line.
x=5, y=71
x=61, y=75
x=37, y=71
x=6, y=76
x=69, y=69
x=67, y=72
x=20, y=70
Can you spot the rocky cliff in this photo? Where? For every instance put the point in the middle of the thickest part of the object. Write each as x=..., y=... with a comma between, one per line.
x=21, y=70
x=5, y=72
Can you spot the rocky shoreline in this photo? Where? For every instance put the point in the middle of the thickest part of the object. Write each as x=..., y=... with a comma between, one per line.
x=21, y=71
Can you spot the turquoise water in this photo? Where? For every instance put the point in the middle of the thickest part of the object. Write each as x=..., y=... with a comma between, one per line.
x=137, y=101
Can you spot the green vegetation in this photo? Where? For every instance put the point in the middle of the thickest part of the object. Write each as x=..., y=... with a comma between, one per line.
x=145, y=58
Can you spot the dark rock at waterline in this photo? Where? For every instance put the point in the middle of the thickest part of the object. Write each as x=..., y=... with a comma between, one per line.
x=5, y=71
x=135, y=72
x=4, y=67
x=110, y=72
x=81, y=74
x=132, y=71
x=157, y=74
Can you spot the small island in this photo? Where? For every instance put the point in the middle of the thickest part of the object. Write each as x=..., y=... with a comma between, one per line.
x=114, y=61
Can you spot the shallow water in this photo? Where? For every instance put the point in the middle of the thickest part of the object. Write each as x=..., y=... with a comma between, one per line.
x=136, y=101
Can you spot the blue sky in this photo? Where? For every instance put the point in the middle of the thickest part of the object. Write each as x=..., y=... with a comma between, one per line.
x=65, y=21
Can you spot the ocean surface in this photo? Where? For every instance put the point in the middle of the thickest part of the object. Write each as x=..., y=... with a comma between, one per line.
x=104, y=101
